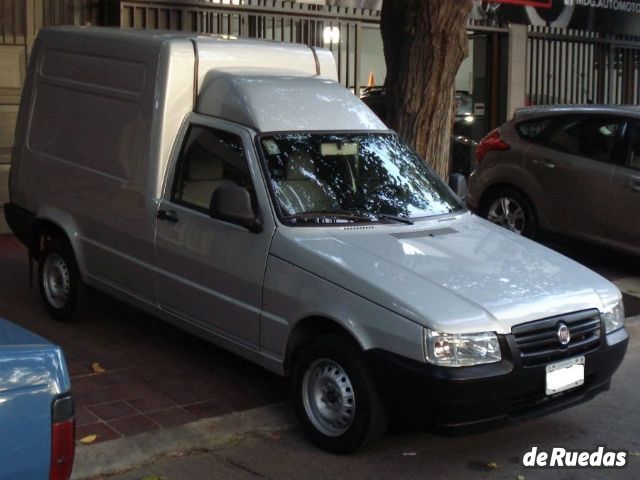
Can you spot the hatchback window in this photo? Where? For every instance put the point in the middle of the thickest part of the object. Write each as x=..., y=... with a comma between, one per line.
x=534, y=130
x=591, y=137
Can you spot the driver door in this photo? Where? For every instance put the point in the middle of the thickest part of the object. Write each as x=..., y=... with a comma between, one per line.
x=210, y=272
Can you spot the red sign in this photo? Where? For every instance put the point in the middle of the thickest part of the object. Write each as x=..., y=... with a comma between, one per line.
x=526, y=3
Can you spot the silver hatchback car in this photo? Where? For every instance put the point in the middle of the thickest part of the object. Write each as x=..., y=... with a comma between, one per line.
x=574, y=170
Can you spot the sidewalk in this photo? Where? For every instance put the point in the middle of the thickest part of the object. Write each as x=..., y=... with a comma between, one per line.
x=148, y=375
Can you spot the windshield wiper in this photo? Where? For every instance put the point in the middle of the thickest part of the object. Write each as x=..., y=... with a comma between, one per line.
x=330, y=214
x=396, y=218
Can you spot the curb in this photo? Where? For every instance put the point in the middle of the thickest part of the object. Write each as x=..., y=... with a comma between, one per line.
x=116, y=456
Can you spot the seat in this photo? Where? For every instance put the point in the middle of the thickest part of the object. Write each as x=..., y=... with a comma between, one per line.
x=301, y=191
x=203, y=177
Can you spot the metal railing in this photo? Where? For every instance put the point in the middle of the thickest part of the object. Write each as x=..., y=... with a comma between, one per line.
x=265, y=19
x=573, y=66
x=20, y=20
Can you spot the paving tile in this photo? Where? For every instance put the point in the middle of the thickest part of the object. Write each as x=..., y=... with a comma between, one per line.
x=133, y=425
x=85, y=383
x=113, y=410
x=84, y=416
x=171, y=417
x=102, y=431
x=128, y=391
x=192, y=394
x=91, y=397
x=152, y=403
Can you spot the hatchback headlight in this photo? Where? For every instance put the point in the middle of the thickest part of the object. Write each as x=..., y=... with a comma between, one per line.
x=613, y=317
x=461, y=350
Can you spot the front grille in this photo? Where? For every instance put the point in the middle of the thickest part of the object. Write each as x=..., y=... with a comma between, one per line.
x=538, y=341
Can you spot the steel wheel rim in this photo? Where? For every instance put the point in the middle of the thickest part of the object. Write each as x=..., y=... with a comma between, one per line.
x=328, y=397
x=56, y=280
x=507, y=213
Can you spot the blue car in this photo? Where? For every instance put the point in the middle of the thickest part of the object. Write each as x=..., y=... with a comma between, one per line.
x=37, y=425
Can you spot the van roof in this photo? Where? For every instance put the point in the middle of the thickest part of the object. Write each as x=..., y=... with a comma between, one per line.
x=280, y=100
x=161, y=36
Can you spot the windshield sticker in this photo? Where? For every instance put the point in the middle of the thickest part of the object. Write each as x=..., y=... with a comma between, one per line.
x=271, y=147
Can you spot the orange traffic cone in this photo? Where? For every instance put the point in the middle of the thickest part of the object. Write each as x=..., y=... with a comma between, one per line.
x=372, y=80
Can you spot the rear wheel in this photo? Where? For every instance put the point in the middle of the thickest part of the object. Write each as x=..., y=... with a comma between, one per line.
x=510, y=209
x=63, y=293
x=335, y=397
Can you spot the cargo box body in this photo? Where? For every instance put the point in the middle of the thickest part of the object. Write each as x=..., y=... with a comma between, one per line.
x=100, y=114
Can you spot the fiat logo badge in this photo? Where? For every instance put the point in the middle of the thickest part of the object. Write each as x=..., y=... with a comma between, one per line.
x=564, y=335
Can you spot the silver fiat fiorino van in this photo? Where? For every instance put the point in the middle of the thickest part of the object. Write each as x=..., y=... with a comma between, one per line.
x=235, y=189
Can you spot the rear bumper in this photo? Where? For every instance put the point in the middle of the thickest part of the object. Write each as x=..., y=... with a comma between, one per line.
x=472, y=398
x=20, y=221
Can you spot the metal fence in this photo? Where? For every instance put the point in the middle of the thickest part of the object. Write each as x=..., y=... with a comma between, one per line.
x=572, y=66
x=20, y=20
x=265, y=19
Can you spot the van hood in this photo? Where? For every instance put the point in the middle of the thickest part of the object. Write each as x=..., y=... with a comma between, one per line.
x=457, y=274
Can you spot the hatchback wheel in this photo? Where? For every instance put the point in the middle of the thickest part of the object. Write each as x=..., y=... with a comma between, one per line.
x=335, y=397
x=511, y=210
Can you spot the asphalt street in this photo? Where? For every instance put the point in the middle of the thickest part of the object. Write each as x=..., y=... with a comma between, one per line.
x=611, y=419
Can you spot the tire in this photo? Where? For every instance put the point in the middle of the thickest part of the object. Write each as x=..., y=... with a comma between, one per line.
x=351, y=412
x=521, y=218
x=63, y=293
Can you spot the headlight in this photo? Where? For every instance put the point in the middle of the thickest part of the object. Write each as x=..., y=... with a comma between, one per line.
x=613, y=317
x=461, y=350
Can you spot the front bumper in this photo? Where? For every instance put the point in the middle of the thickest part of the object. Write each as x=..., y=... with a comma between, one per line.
x=461, y=399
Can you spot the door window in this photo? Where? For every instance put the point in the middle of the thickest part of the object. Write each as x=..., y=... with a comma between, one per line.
x=585, y=136
x=633, y=153
x=208, y=160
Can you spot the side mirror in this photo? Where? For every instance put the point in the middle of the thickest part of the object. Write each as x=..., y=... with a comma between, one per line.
x=232, y=204
x=458, y=184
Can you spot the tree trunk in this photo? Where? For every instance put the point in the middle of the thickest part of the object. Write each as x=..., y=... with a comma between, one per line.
x=425, y=41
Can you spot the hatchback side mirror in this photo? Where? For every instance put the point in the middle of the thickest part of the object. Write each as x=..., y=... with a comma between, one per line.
x=458, y=184
x=232, y=204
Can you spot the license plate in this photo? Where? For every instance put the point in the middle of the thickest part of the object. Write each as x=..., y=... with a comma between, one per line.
x=565, y=375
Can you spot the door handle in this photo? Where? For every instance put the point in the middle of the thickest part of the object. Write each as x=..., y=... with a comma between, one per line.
x=634, y=186
x=168, y=215
x=544, y=163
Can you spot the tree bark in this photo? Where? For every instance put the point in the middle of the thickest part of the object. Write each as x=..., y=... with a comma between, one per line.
x=425, y=41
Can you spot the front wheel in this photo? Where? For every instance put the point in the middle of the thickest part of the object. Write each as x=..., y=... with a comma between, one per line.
x=510, y=209
x=335, y=397
x=63, y=293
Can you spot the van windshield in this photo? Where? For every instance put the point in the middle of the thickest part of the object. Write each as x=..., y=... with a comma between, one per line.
x=340, y=177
